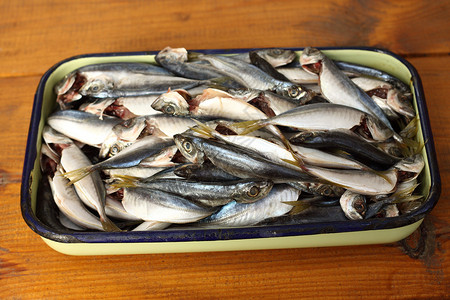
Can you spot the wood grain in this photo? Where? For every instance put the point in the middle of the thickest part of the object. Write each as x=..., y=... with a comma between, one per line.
x=34, y=35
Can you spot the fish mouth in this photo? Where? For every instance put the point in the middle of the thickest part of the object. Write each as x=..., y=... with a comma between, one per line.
x=67, y=90
x=313, y=67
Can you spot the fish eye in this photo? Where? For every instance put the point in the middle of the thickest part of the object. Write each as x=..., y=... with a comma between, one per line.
x=114, y=150
x=95, y=87
x=326, y=192
x=169, y=109
x=359, y=207
x=276, y=51
x=187, y=146
x=253, y=191
x=293, y=92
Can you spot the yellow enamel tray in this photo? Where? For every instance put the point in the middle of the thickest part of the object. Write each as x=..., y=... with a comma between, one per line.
x=290, y=235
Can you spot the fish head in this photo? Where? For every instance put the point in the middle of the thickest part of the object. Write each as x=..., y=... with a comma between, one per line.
x=412, y=164
x=328, y=190
x=97, y=87
x=377, y=129
x=189, y=147
x=354, y=205
x=66, y=90
x=253, y=191
x=172, y=103
x=169, y=54
x=278, y=57
x=400, y=103
x=296, y=92
x=311, y=60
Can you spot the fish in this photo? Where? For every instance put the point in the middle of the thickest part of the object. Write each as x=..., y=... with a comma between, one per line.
x=154, y=205
x=236, y=214
x=67, y=89
x=364, y=182
x=268, y=102
x=90, y=189
x=203, y=172
x=114, y=80
x=176, y=61
x=337, y=88
x=346, y=140
x=216, y=193
x=277, y=151
x=213, y=103
x=237, y=161
x=252, y=77
x=127, y=132
x=375, y=73
x=275, y=56
x=70, y=204
x=353, y=205
x=264, y=65
x=82, y=126
x=149, y=147
x=324, y=116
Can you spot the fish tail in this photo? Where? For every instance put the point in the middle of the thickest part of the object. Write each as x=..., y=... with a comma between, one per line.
x=249, y=126
x=78, y=174
x=409, y=198
x=124, y=181
x=297, y=206
x=411, y=128
x=108, y=225
x=203, y=129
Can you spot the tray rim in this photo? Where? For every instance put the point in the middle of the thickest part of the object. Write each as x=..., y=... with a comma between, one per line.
x=224, y=234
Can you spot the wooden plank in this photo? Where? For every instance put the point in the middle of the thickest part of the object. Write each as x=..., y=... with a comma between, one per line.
x=49, y=31
x=31, y=270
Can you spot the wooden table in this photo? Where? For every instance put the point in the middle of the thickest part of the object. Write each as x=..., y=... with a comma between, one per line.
x=34, y=35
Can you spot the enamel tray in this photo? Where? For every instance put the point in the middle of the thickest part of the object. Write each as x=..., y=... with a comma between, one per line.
x=292, y=235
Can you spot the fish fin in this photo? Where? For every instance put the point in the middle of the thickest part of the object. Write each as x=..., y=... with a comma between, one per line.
x=410, y=129
x=78, y=174
x=203, y=129
x=221, y=83
x=124, y=181
x=407, y=199
x=297, y=206
x=108, y=225
x=194, y=56
x=248, y=126
x=297, y=162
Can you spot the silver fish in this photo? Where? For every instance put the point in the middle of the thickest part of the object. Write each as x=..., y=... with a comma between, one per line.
x=82, y=126
x=154, y=205
x=353, y=205
x=212, y=103
x=90, y=189
x=252, y=77
x=116, y=80
x=70, y=204
x=148, y=147
x=323, y=116
x=358, y=181
x=176, y=61
x=337, y=87
x=276, y=56
x=241, y=214
x=243, y=191
x=237, y=161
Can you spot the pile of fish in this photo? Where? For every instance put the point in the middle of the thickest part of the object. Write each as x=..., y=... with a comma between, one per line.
x=207, y=141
